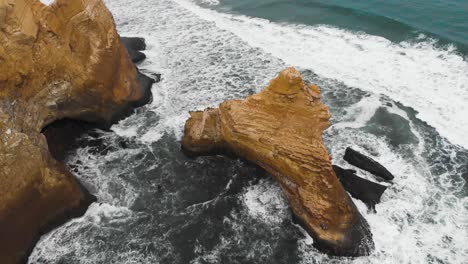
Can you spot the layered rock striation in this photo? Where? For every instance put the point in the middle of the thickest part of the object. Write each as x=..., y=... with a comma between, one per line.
x=280, y=129
x=59, y=61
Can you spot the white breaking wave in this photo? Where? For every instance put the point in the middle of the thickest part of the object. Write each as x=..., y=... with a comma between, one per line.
x=431, y=80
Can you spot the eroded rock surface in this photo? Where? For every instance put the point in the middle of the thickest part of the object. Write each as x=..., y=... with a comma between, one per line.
x=280, y=129
x=59, y=61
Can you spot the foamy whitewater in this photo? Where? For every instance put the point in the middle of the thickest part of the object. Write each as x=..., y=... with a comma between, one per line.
x=157, y=206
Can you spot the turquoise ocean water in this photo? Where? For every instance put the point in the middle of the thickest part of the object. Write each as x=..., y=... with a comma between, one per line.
x=397, y=20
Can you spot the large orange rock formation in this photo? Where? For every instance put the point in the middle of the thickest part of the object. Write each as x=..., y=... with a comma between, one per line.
x=59, y=61
x=280, y=129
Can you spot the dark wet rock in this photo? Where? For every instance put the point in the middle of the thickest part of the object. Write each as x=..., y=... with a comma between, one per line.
x=134, y=43
x=146, y=83
x=359, y=188
x=136, y=56
x=156, y=77
x=366, y=163
x=134, y=46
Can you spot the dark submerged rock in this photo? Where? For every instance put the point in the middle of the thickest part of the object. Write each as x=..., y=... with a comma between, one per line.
x=366, y=163
x=394, y=127
x=359, y=188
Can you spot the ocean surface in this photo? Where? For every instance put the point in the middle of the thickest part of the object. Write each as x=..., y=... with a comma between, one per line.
x=394, y=75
